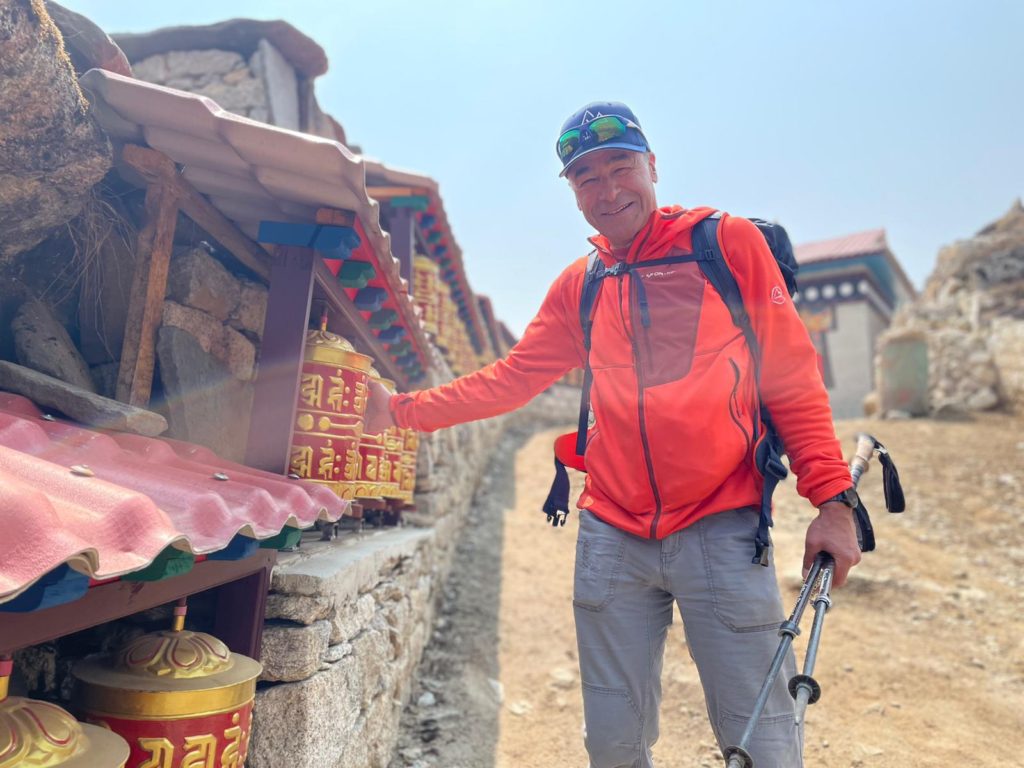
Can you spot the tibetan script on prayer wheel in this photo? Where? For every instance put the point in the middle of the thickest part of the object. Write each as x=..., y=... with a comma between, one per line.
x=333, y=391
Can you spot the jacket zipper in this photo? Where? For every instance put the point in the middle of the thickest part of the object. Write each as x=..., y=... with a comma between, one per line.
x=734, y=405
x=640, y=408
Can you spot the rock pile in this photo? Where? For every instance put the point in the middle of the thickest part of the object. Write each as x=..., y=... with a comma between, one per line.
x=970, y=319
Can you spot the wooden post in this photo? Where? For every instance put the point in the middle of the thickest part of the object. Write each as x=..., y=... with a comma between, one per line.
x=403, y=238
x=277, y=377
x=146, y=302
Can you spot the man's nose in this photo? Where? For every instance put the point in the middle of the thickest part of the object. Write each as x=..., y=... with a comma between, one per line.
x=609, y=189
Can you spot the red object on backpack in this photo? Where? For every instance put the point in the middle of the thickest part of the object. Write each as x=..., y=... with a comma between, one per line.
x=565, y=452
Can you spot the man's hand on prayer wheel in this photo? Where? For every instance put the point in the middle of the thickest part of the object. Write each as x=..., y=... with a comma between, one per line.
x=378, y=414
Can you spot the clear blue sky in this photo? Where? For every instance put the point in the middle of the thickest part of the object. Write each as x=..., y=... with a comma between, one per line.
x=830, y=117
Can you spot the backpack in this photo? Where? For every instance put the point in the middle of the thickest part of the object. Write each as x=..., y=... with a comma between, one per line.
x=708, y=255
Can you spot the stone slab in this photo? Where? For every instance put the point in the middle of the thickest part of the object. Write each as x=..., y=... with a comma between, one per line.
x=301, y=609
x=903, y=375
x=281, y=85
x=293, y=652
x=344, y=571
x=79, y=404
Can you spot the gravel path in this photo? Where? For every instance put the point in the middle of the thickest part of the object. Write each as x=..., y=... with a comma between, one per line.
x=922, y=661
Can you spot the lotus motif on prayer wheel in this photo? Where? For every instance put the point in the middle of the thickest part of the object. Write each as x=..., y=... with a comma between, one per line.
x=329, y=417
x=36, y=734
x=181, y=699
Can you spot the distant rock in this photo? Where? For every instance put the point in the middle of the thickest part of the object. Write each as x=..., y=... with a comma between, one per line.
x=971, y=317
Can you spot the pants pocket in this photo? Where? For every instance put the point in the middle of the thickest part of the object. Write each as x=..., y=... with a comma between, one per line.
x=599, y=552
x=613, y=727
x=745, y=595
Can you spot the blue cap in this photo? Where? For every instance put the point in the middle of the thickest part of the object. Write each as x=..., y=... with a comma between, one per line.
x=633, y=139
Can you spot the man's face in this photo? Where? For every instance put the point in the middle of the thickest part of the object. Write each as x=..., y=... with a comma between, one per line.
x=615, y=191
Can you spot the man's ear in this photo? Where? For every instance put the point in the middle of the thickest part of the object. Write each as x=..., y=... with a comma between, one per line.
x=652, y=165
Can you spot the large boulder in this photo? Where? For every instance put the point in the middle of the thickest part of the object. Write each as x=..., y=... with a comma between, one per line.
x=51, y=152
x=970, y=314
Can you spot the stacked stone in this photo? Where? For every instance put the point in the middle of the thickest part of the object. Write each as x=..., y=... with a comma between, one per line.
x=206, y=349
x=265, y=87
x=971, y=317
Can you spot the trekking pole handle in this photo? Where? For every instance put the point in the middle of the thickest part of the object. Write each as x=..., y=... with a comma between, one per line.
x=865, y=449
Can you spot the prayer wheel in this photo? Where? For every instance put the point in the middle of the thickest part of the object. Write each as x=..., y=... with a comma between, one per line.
x=410, y=449
x=394, y=443
x=426, y=275
x=374, y=479
x=180, y=699
x=42, y=735
x=329, y=418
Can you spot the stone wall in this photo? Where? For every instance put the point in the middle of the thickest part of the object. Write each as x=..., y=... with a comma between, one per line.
x=207, y=348
x=264, y=86
x=970, y=317
x=347, y=620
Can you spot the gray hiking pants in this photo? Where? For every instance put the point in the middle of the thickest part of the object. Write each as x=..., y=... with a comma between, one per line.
x=623, y=594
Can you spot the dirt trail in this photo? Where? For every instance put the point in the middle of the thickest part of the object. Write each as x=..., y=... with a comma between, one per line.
x=922, y=661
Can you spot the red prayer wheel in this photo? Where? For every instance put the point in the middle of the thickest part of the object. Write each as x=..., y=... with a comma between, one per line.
x=41, y=735
x=180, y=699
x=329, y=418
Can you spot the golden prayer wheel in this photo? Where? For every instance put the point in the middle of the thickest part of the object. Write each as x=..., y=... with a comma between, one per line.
x=426, y=275
x=38, y=734
x=394, y=442
x=181, y=699
x=329, y=418
x=374, y=479
x=407, y=480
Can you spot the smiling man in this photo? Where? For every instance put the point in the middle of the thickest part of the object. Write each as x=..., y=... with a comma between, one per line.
x=670, y=507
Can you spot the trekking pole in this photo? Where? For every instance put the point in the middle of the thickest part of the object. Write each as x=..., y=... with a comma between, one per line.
x=804, y=688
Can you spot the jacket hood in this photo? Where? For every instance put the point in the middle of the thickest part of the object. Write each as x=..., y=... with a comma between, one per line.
x=667, y=227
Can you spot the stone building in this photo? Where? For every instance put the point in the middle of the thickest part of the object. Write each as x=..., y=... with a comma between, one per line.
x=849, y=289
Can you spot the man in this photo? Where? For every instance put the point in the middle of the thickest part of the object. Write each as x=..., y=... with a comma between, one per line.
x=669, y=510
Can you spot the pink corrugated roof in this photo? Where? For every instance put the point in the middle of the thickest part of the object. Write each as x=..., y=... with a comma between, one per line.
x=871, y=241
x=138, y=496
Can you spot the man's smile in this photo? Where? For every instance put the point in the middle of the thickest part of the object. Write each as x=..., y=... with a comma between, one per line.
x=618, y=210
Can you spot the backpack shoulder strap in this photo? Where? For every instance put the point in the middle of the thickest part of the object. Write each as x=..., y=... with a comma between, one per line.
x=715, y=268
x=588, y=295
x=768, y=453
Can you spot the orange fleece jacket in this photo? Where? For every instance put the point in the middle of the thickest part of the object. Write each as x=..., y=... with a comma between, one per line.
x=675, y=403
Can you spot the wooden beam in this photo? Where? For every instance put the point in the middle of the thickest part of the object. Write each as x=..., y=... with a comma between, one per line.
x=117, y=599
x=386, y=193
x=335, y=217
x=146, y=301
x=155, y=167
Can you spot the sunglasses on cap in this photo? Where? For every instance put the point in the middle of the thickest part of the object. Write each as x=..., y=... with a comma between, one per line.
x=594, y=133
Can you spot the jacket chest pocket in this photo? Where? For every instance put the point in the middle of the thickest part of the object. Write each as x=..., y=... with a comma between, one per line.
x=674, y=296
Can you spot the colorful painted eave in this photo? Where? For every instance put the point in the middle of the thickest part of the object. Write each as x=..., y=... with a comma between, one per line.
x=250, y=171
x=110, y=504
x=405, y=178
x=858, y=244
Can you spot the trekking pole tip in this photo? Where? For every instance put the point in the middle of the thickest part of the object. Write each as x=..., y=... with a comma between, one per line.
x=737, y=757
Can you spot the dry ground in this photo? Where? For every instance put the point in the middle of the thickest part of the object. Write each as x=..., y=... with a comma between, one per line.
x=921, y=664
